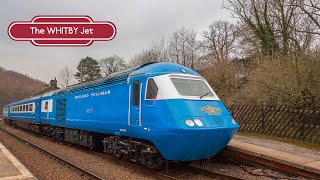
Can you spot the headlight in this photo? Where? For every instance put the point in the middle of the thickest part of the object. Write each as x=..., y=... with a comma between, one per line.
x=233, y=121
x=189, y=122
x=198, y=122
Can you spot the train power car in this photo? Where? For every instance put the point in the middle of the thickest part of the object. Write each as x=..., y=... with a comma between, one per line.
x=151, y=113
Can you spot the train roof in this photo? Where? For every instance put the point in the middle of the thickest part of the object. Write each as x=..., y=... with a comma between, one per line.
x=24, y=100
x=163, y=68
x=124, y=75
x=117, y=77
x=112, y=78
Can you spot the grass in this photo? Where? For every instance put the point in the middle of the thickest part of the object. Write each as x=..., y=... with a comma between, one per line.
x=312, y=146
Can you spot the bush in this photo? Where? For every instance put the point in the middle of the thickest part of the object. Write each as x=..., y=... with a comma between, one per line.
x=293, y=81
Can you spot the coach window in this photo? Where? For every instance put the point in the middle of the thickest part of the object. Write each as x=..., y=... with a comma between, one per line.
x=152, y=89
x=20, y=108
x=30, y=107
x=46, y=105
x=136, y=93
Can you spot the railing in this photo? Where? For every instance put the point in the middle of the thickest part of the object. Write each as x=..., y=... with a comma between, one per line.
x=279, y=121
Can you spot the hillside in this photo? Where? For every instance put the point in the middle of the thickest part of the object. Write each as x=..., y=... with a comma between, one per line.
x=15, y=86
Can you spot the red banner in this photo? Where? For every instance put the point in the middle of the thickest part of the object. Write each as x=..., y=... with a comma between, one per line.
x=62, y=31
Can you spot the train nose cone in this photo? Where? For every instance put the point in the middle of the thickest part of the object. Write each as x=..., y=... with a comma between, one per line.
x=195, y=144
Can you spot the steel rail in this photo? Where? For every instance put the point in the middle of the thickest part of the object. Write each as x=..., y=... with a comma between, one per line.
x=227, y=152
x=141, y=169
x=212, y=174
x=194, y=170
x=136, y=167
x=86, y=172
x=120, y=162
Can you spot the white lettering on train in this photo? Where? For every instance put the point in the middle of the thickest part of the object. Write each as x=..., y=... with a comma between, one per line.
x=94, y=94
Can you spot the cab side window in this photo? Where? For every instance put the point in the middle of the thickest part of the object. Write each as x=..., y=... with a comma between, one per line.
x=152, y=89
x=136, y=93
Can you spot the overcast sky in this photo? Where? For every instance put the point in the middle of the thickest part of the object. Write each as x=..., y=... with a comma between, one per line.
x=138, y=23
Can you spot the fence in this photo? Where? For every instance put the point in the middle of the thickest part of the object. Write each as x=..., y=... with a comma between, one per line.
x=279, y=121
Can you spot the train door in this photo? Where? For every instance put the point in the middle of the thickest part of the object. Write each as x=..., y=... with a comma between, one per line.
x=134, y=118
x=46, y=110
x=37, y=110
x=61, y=106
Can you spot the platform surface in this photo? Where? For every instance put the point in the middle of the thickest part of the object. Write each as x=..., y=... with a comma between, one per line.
x=280, y=152
x=11, y=167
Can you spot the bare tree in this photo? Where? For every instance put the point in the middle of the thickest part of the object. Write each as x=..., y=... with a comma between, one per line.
x=65, y=77
x=219, y=41
x=273, y=24
x=255, y=15
x=112, y=64
x=183, y=47
x=312, y=9
x=157, y=52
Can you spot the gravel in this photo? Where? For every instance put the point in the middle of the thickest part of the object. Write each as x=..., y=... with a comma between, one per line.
x=89, y=161
x=41, y=165
x=241, y=169
x=43, y=168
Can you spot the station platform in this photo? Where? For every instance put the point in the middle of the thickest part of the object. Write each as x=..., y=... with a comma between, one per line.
x=11, y=167
x=280, y=152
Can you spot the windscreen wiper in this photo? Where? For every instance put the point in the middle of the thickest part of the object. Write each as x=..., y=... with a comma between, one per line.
x=205, y=94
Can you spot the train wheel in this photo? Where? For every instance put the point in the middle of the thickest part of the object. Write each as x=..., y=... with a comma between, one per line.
x=155, y=163
x=117, y=155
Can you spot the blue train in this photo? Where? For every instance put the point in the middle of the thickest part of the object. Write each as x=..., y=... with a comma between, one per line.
x=150, y=113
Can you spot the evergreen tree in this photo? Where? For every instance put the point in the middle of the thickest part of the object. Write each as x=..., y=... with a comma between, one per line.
x=90, y=70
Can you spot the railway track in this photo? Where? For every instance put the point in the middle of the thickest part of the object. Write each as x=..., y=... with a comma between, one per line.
x=170, y=175
x=268, y=163
x=72, y=165
x=212, y=174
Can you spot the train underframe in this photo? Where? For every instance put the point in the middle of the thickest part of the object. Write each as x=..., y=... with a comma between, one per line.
x=136, y=150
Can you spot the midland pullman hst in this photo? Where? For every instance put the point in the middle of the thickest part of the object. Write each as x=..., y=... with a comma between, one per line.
x=150, y=113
